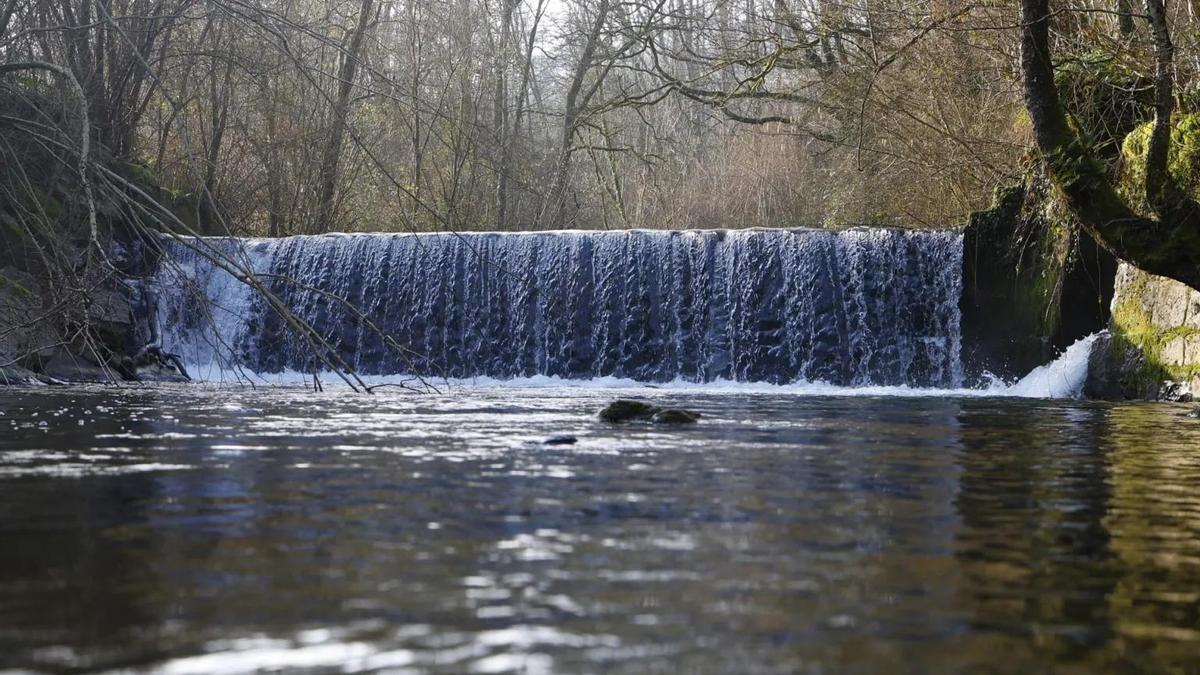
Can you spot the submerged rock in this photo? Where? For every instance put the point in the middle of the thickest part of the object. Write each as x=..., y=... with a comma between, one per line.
x=1194, y=413
x=626, y=410
x=675, y=416
x=629, y=410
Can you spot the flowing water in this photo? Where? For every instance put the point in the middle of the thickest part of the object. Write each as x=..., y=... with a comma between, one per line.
x=864, y=306
x=844, y=505
x=217, y=529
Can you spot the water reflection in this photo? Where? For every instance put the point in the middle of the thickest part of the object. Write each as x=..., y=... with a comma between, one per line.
x=1033, y=549
x=214, y=531
x=1154, y=524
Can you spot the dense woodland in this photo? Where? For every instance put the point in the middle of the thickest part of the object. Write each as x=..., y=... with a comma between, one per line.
x=278, y=117
x=295, y=116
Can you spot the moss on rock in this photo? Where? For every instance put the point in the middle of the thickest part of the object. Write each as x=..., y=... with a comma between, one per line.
x=1154, y=340
x=1183, y=161
x=1033, y=282
x=630, y=410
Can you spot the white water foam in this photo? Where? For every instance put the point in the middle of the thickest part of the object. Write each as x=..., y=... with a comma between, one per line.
x=1062, y=378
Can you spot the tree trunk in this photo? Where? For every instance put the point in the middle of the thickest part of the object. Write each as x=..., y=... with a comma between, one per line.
x=219, y=114
x=1159, y=193
x=571, y=111
x=328, y=176
x=1125, y=17
x=507, y=164
x=6, y=14
x=500, y=113
x=274, y=166
x=1168, y=246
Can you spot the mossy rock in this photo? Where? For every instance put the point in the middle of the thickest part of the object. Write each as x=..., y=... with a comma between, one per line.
x=1183, y=160
x=1118, y=371
x=627, y=410
x=1153, y=341
x=1158, y=316
x=630, y=410
x=16, y=375
x=1033, y=282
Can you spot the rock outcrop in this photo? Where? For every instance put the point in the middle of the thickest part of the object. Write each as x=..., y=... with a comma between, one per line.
x=91, y=336
x=1033, y=283
x=26, y=328
x=1152, y=349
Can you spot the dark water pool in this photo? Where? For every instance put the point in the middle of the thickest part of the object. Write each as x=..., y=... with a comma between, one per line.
x=213, y=530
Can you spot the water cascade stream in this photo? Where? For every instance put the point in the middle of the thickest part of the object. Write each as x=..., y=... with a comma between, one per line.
x=852, y=308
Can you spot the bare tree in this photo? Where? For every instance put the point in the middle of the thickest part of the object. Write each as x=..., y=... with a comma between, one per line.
x=327, y=176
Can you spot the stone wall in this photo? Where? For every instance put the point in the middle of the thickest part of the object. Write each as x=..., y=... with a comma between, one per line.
x=1152, y=349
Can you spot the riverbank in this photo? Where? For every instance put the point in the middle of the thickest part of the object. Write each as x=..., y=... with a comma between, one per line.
x=91, y=334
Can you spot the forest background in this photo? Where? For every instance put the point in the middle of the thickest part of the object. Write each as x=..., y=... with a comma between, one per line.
x=277, y=117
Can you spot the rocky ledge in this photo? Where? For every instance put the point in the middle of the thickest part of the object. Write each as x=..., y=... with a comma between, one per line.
x=1152, y=348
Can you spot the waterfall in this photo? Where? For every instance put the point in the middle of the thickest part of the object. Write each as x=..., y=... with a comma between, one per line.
x=857, y=307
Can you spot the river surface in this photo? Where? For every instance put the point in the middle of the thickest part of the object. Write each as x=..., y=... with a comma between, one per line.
x=216, y=529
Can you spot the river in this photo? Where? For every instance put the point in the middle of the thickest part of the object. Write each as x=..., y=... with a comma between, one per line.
x=217, y=529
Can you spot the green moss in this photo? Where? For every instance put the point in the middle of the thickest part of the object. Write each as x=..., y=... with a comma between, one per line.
x=1019, y=257
x=625, y=410
x=1183, y=160
x=144, y=177
x=1006, y=202
x=1132, y=327
x=1022, y=125
x=1075, y=167
x=1039, y=255
x=1039, y=295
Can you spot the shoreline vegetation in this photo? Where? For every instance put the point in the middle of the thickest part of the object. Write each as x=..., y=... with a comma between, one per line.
x=1064, y=137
